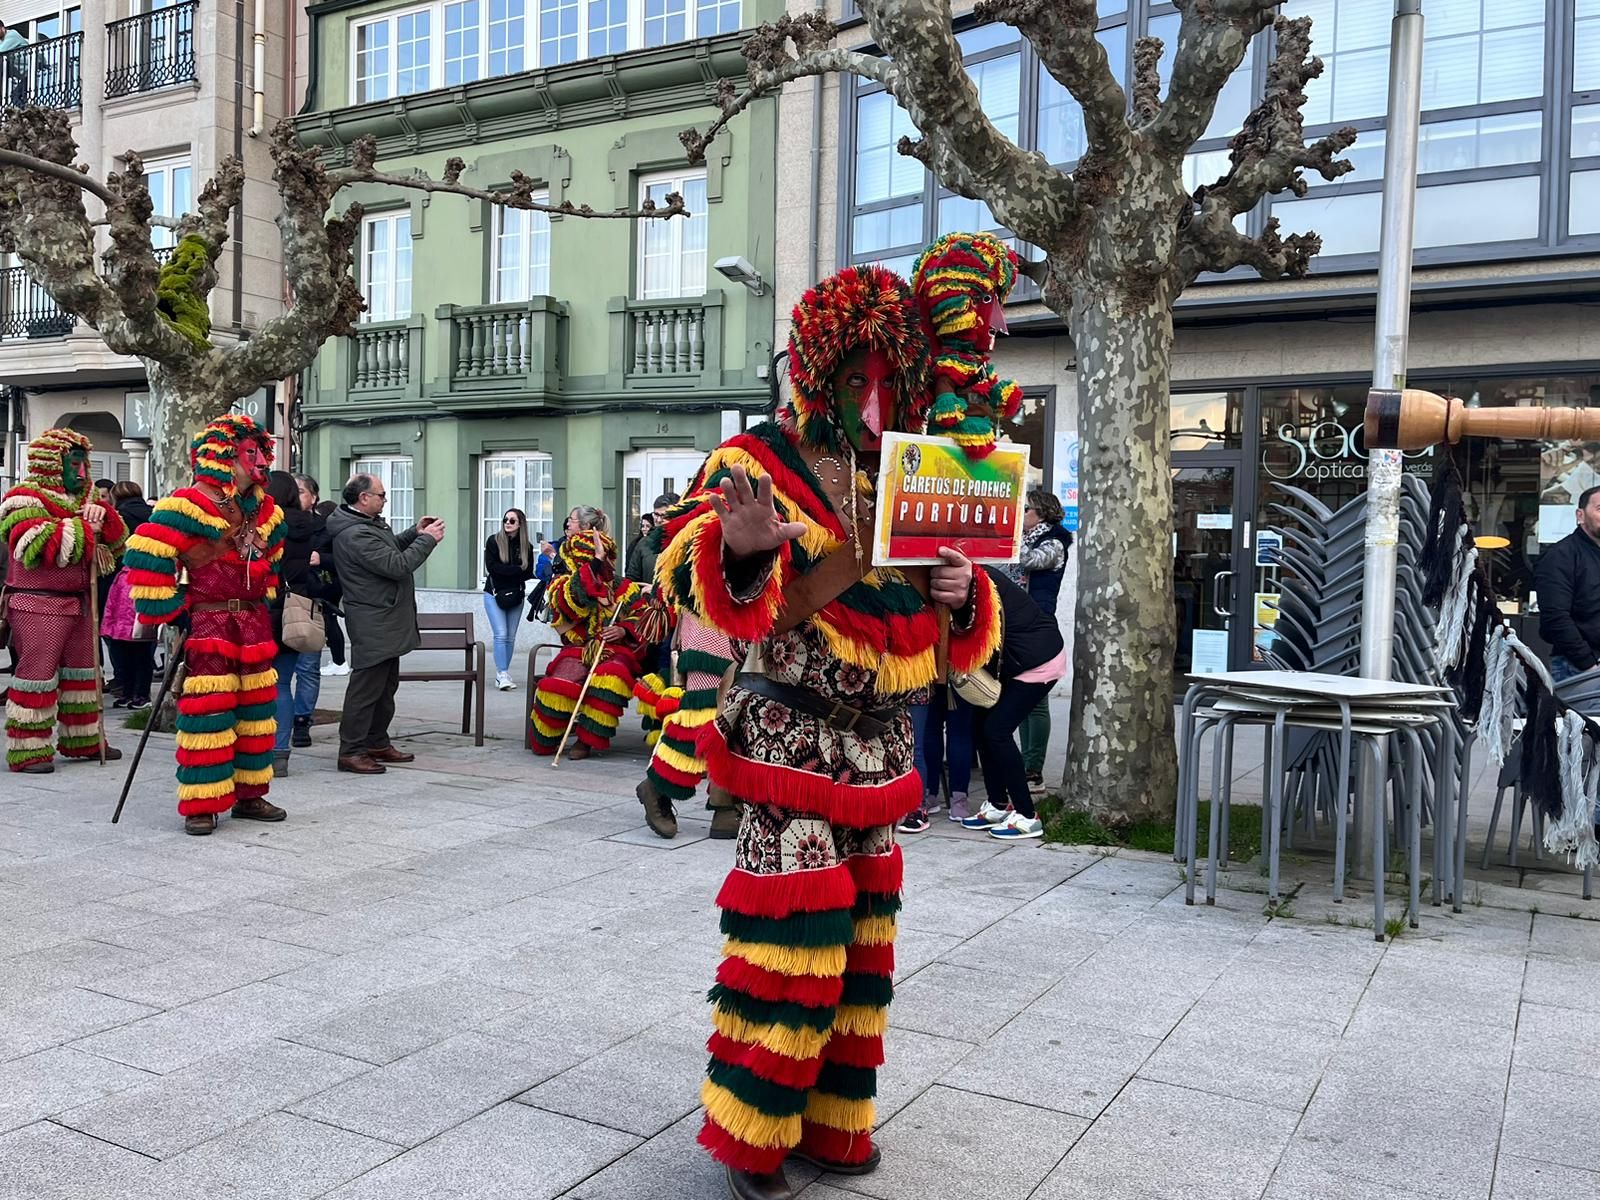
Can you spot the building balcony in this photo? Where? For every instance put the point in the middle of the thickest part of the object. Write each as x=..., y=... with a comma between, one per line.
x=513, y=349
x=44, y=75
x=668, y=345
x=151, y=51
x=27, y=310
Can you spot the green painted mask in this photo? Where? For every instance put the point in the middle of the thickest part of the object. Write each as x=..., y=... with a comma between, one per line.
x=75, y=472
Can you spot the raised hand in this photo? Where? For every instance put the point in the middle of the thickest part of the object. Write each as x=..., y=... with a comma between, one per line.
x=750, y=521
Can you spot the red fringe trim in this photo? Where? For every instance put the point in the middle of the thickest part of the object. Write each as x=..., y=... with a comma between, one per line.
x=741, y=1156
x=750, y=621
x=590, y=739
x=206, y=804
x=73, y=720
x=883, y=874
x=614, y=711
x=854, y=1050
x=138, y=577
x=257, y=652
x=826, y=890
x=34, y=699
x=209, y=702
x=255, y=743
x=205, y=758
x=561, y=687
x=860, y=807
x=257, y=695
x=834, y=1145
x=774, y=1068
x=814, y=991
x=672, y=775
x=965, y=648
x=870, y=960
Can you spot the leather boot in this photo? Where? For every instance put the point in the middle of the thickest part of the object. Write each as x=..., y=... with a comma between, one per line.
x=578, y=752
x=258, y=808
x=360, y=764
x=747, y=1185
x=724, y=824
x=388, y=754
x=658, y=813
x=199, y=824
x=300, y=736
x=865, y=1167
x=42, y=767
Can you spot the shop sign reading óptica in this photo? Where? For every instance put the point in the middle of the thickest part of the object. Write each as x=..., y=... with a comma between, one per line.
x=1325, y=451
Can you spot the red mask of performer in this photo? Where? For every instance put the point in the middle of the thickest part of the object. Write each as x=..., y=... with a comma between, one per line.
x=991, y=314
x=251, y=464
x=864, y=393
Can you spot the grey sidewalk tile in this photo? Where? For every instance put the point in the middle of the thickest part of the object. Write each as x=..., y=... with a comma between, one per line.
x=370, y=925
x=190, y=977
x=211, y=928
x=1158, y=1142
x=68, y=923
x=53, y=1018
x=1289, y=994
x=1519, y=1178
x=1018, y=947
x=913, y=950
x=1564, y=1040
x=1114, y=994
x=45, y=1083
x=590, y=1017
x=1023, y=872
x=670, y=1166
x=423, y=1094
x=643, y=1085
x=1449, y=983
x=1531, y=1099
x=1559, y=984
x=392, y=966
x=512, y=1150
x=510, y=924
x=960, y=1003
x=355, y=889
x=1298, y=1179
x=179, y=1037
x=68, y=964
x=279, y=1157
x=171, y=1114
x=951, y=910
x=1243, y=1056
x=943, y=1147
x=43, y=1161
x=1566, y=939
x=381, y=1031
x=1076, y=1069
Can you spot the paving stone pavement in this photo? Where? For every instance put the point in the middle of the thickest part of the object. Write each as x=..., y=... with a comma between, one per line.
x=479, y=977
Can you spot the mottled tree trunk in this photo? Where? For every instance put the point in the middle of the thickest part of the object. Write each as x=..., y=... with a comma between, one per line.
x=181, y=405
x=1122, y=763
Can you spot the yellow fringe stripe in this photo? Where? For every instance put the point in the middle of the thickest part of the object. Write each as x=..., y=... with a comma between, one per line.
x=547, y=729
x=612, y=684
x=862, y=1020
x=692, y=718
x=256, y=728
x=205, y=791
x=193, y=511
x=205, y=741
x=163, y=591
x=153, y=546
x=555, y=701
x=747, y=1123
x=822, y=961
x=258, y=680
x=205, y=685
x=679, y=760
x=263, y=775
x=850, y=1116
x=875, y=931
x=799, y=1044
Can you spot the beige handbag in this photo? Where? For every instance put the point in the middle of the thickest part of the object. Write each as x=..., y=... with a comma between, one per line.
x=979, y=688
x=303, y=628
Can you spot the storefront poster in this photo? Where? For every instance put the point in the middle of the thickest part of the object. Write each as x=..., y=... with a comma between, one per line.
x=1208, y=651
x=930, y=494
x=1267, y=609
x=1268, y=543
x=1067, y=477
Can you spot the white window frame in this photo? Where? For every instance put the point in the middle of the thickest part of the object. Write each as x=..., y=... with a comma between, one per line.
x=400, y=512
x=533, y=492
x=390, y=310
x=676, y=228
x=531, y=40
x=161, y=237
x=538, y=231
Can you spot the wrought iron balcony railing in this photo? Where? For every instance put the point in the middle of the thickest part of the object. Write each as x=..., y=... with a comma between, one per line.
x=44, y=74
x=151, y=51
x=27, y=310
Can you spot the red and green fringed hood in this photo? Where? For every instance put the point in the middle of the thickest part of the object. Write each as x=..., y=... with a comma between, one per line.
x=39, y=521
x=216, y=447
x=952, y=280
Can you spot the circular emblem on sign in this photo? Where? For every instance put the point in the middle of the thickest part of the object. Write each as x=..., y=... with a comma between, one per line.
x=910, y=459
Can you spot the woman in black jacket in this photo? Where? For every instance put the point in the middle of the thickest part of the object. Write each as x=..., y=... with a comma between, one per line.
x=508, y=562
x=299, y=676
x=1032, y=658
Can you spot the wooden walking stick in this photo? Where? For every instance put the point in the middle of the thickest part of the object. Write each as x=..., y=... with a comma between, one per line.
x=599, y=648
x=95, y=570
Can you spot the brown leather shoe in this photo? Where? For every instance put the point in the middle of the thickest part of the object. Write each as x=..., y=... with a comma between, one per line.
x=389, y=754
x=112, y=754
x=199, y=824
x=42, y=767
x=724, y=824
x=360, y=764
x=578, y=752
x=658, y=813
x=747, y=1185
x=865, y=1167
x=257, y=808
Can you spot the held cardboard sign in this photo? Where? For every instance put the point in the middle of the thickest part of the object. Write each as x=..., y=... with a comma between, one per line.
x=930, y=494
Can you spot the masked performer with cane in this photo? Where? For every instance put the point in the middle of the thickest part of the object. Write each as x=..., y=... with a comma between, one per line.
x=211, y=551
x=774, y=549
x=52, y=534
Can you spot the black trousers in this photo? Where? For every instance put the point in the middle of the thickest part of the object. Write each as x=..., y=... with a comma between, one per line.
x=135, y=665
x=368, y=708
x=994, y=732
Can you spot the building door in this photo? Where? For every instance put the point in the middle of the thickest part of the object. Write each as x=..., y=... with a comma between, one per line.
x=646, y=475
x=1210, y=538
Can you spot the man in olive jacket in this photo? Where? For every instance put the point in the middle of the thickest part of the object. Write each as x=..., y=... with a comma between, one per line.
x=375, y=569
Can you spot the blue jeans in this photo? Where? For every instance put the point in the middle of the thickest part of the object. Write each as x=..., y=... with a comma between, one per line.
x=1561, y=668
x=299, y=685
x=503, y=622
x=947, y=744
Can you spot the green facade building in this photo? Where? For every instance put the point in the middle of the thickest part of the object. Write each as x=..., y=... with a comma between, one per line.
x=511, y=359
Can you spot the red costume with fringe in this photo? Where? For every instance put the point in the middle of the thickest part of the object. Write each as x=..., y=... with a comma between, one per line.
x=802, y=994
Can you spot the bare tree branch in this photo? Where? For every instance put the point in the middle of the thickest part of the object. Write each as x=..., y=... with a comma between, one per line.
x=1213, y=39
x=1213, y=243
x=1269, y=152
x=1063, y=32
x=1147, y=79
x=78, y=176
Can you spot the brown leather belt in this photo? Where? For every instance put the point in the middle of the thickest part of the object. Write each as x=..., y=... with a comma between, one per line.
x=839, y=715
x=227, y=606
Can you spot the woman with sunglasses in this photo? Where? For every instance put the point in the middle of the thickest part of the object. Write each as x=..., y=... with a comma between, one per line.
x=508, y=560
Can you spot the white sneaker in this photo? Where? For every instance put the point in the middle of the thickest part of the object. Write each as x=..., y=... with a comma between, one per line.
x=503, y=682
x=336, y=669
x=1017, y=827
x=987, y=817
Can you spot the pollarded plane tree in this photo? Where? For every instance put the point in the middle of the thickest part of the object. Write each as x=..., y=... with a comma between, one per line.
x=1120, y=237
x=159, y=312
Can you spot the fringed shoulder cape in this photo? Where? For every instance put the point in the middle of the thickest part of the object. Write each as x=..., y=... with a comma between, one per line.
x=181, y=522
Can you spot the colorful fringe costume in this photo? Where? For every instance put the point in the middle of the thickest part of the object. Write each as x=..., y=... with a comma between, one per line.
x=953, y=280
x=802, y=993
x=584, y=599
x=51, y=549
x=212, y=553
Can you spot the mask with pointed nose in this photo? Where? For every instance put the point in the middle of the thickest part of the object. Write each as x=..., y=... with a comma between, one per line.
x=991, y=314
x=864, y=395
